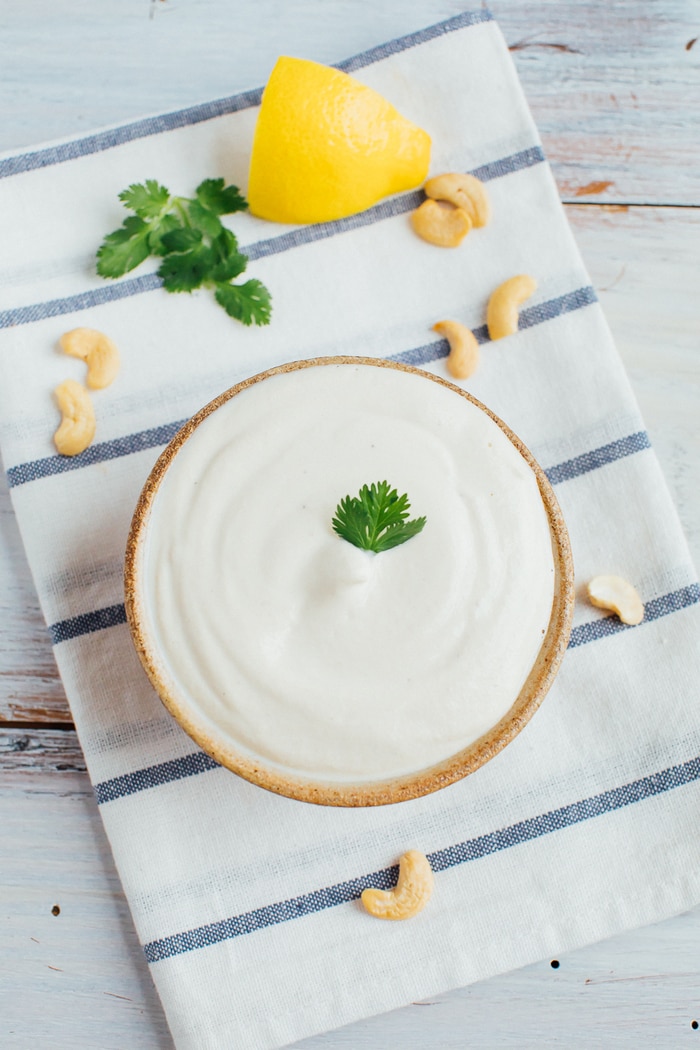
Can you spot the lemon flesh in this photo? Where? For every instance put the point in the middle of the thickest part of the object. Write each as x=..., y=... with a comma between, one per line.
x=326, y=146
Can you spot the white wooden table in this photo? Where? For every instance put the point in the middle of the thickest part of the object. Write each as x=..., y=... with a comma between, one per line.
x=615, y=89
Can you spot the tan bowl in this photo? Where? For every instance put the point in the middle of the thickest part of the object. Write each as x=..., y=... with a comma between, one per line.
x=395, y=789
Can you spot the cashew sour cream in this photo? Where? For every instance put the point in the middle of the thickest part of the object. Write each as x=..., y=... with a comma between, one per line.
x=307, y=652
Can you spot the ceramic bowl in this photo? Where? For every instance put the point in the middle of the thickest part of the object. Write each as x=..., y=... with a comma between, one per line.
x=337, y=792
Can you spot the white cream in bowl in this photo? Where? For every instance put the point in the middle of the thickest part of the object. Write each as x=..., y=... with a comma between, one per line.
x=318, y=658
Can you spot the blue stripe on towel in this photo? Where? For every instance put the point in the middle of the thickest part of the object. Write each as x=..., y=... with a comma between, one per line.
x=532, y=315
x=154, y=776
x=387, y=209
x=440, y=860
x=598, y=457
x=154, y=437
x=151, y=438
x=657, y=607
x=107, y=293
x=422, y=36
x=190, y=765
x=115, y=290
x=87, y=623
x=139, y=129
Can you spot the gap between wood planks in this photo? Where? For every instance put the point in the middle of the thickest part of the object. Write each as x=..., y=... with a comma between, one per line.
x=27, y=727
x=575, y=202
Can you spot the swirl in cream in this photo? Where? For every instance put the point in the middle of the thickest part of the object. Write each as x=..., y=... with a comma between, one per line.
x=323, y=659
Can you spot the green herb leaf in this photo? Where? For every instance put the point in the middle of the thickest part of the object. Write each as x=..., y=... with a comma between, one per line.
x=148, y=200
x=203, y=219
x=225, y=244
x=249, y=302
x=196, y=248
x=376, y=519
x=221, y=199
x=185, y=271
x=181, y=238
x=158, y=230
x=230, y=268
x=124, y=249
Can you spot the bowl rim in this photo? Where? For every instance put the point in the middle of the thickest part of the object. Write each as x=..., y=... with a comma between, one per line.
x=393, y=789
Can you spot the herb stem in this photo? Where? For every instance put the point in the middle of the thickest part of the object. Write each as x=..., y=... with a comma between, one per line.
x=179, y=206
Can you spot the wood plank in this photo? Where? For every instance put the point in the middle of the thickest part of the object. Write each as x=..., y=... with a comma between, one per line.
x=30, y=688
x=78, y=979
x=72, y=973
x=608, y=84
x=643, y=265
x=28, y=752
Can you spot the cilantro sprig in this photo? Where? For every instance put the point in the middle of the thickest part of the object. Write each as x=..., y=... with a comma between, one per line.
x=376, y=519
x=196, y=248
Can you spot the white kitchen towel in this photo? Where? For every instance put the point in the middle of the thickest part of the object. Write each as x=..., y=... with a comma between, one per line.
x=247, y=903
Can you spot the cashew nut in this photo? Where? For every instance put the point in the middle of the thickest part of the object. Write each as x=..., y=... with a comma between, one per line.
x=411, y=894
x=77, y=427
x=464, y=348
x=502, y=311
x=440, y=223
x=612, y=592
x=97, y=350
x=464, y=191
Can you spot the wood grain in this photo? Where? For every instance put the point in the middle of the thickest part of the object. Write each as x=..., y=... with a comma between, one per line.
x=609, y=85
x=27, y=752
x=30, y=688
x=72, y=973
x=643, y=265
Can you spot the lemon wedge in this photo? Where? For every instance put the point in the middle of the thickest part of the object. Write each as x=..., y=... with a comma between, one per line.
x=326, y=146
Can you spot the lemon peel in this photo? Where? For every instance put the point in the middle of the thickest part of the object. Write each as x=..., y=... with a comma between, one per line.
x=326, y=146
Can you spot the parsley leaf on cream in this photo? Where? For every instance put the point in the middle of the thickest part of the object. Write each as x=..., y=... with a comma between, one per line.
x=376, y=519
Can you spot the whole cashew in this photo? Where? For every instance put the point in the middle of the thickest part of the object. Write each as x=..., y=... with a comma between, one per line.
x=77, y=427
x=464, y=348
x=612, y=592
x=97, y=350
x=502, y=311
x=411, y=894
x=464, y=191
x=441, y=224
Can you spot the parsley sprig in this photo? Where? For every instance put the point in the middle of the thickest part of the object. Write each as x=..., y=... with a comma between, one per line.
x=376, y=520
x=197, y=249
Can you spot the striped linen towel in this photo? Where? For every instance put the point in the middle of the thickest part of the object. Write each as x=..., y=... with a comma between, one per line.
x=247, y=903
